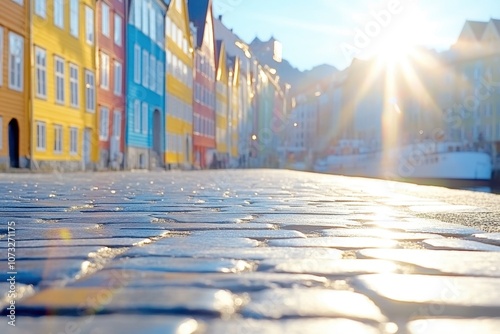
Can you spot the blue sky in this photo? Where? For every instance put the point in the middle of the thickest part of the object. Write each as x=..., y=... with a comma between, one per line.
x=320, y=31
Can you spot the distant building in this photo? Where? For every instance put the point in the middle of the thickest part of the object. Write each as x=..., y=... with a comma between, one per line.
x=110, y=40
x=15, y=81
x=145, y=85
x=64, y=122
x=222, y=105
x=179, y=100
x=204, y=146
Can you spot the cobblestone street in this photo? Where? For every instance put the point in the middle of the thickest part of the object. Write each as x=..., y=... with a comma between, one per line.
x=245, y=251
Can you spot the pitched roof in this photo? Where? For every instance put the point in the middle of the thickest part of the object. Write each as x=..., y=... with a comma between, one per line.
x=496, y=23
x=477, y=28
x=198, y=10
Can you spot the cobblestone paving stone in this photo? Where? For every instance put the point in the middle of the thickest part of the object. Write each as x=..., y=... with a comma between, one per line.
x=246, y=251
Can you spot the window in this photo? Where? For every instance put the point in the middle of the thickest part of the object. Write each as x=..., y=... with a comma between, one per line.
x=59, y=86
x=73, y=140
x=118, y=78
x=41, y=8
x=137, y=64
x=152, y=74
x=58, y=138
x=104, y=124
x=160, y=30
x=137, y=116
x=145, y=68
x=105, y=19
x=41, y=72
x=16, y=61
x=59, y=13
x=89, y=25
x=89, y=91
x=1, y=132
x=73, y=22
x=104, y=71
x=152, y=23
x=118, y=30
x=117, y=124
x=160, y=76
x=145, y=17
x=73, y=86
x=1, y=56
x=138, y=13
x=40, y=136
x=145, y=118
x=20, y=2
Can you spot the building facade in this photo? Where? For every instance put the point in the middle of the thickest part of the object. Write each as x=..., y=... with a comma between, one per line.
x=179, y=88
x=221, y=106
x=145, y=84
x=64, y=107
x=14, y=84
x=204, y=145
x=111, y=82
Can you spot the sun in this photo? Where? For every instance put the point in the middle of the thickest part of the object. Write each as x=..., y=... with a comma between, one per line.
x=401, y=39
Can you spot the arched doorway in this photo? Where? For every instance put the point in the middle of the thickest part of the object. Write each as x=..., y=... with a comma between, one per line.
x=14, y=143
x=157, y=136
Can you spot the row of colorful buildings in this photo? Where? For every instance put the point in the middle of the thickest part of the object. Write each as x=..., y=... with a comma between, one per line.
x=128, y=84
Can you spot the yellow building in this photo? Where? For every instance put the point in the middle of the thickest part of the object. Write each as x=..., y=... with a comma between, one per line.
x=63, y=89
x=14, y=85
x=179, y=98
x=234, y=108
x=221, y=107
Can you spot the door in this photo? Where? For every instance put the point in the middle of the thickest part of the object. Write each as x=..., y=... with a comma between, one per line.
x=14, y=143
x=87, y=141
x=157, y=135
x=114, y=149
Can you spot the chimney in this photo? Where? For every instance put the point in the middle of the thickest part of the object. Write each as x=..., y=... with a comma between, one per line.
x=220, y=18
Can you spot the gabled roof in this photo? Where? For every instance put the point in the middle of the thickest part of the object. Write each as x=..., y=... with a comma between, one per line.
x=198, y=10
x=496, y=23
x=477, y=28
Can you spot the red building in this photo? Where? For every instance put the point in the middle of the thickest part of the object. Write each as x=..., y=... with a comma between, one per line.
x=204, y=145
x=111, y=82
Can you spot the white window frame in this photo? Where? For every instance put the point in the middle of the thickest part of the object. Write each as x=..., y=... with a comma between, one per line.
x=104, y=71
x=145, y=118
x=89, y=25
x=74, y=89
x=41, y=72
x=105, y=19
x=145, y=68
x=89, y=91
x=58, y=139
x=138, y=13
x=137, y=116
x=41, y=136
x=118, y=78
x=137, y=64
x=74, y=17
x=160, y=76
x=118, y=24
x=16, y=62
x=59, y=83
x=117, y=124
x=104, y=123
x=152, y=72
x=59, y=13
x=73, y=140
x=41, y=8
x=145, y=17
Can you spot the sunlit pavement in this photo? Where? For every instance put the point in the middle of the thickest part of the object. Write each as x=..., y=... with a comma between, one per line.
x=245, y=251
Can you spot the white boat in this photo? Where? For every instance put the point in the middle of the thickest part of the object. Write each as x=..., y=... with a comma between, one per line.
x=427, y=160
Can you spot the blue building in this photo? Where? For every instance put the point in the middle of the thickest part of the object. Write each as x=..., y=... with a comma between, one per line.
x=145, y=84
